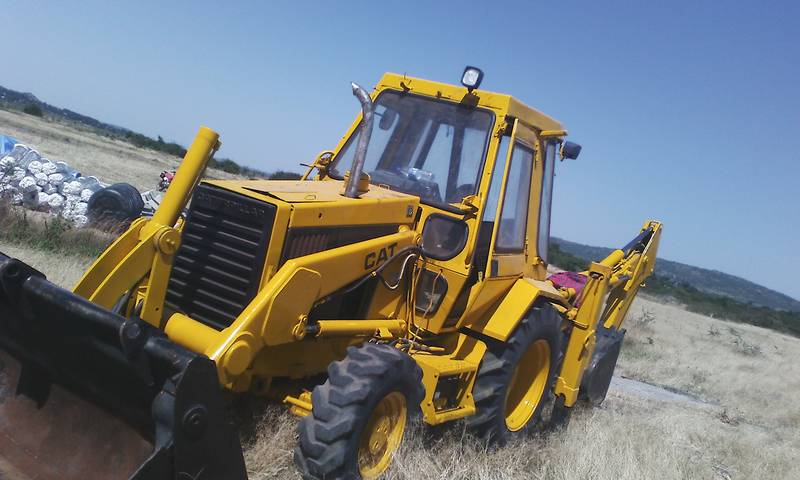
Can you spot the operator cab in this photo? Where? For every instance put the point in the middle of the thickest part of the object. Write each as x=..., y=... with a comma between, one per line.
x=482, y=165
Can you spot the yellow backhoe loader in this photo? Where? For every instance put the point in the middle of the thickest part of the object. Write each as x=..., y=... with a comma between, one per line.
x=405, y=276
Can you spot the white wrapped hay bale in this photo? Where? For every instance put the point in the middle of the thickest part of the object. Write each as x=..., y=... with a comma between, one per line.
x=27, y=184
x=66, y=211
x=43, y=201
x=79, y=208
x=72, y=188
x=56, y=180
x=48, y=167
x=30, y=156
x=80, y=220
x=39, y=183
x=56, y=202
x=70, y=201
x=41, y=179
x=34, y=167
x=86, y=194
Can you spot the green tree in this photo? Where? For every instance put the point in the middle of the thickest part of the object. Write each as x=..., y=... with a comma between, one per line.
x=34, y=110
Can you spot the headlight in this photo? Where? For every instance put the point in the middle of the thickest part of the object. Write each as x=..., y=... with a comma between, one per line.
x=471, y=78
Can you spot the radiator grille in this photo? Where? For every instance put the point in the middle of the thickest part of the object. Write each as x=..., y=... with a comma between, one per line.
x=218, y=267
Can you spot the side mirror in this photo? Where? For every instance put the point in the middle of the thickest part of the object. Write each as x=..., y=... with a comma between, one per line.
x=387, y=119
x=570, y=150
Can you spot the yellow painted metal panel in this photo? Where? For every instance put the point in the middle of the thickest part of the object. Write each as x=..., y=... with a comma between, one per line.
x=513, y=308
x=329, y=207
x=271, y=317
x=108, y=261
x=497, y=101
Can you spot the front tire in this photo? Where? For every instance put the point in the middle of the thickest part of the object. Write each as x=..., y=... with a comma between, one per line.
x=359, y=414
x=516, y=376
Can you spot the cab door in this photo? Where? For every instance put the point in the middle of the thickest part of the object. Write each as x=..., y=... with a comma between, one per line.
x=509, y=246
x=507, y=212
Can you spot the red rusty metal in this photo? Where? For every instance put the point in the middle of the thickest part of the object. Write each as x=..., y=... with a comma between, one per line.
x=68, y=439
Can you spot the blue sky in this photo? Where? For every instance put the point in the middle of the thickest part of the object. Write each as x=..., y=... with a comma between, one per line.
x=688, y=111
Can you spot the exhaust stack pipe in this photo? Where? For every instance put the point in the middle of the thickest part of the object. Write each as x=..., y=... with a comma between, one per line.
x=367, y=110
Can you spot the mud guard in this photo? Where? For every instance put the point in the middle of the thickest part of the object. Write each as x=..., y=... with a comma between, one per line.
x=514, y=306
x=169, y=395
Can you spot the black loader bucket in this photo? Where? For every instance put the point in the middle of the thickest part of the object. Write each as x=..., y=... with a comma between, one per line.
x=86, y=393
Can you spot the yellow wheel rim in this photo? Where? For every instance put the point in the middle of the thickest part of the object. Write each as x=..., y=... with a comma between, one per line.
x=527, y=385
x=382, y=435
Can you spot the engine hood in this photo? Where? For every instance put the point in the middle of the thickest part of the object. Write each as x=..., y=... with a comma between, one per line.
x=321, y=203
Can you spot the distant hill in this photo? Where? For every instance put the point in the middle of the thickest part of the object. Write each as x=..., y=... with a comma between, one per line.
x=29, y=103
x=12, y=99
x=703, y=279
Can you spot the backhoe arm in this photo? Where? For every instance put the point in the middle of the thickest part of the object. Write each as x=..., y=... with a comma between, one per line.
x=630, y=267
x=602, y=304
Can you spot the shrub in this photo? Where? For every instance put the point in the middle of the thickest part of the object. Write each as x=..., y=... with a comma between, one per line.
x=34, y=110
x=159, y=145
x=284, y=175
x=564, y=260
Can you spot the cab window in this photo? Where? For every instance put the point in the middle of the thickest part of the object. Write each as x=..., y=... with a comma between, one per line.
x=514, y=212
x=422, y=146
x=546, y=200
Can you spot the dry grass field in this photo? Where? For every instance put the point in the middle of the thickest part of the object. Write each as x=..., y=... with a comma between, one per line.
x=108, y=159
x=725, y=407
x=736, y=415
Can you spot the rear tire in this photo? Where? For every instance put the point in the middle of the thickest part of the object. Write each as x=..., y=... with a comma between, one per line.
x=359, y=414
x=515, y=377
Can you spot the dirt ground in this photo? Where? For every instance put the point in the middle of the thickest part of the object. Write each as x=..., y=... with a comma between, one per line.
x=108, y=159
x=695, y=398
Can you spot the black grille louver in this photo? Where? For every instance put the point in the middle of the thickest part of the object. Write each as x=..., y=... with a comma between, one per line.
x=218, y=267
x=306, y=241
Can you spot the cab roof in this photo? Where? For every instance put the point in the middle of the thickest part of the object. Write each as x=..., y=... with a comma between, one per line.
x=501, y=103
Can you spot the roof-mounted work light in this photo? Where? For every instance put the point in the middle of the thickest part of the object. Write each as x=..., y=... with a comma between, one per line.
x=471, y=78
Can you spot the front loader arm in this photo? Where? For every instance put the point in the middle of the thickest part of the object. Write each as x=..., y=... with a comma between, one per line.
x=144, y=253
x=279, y=312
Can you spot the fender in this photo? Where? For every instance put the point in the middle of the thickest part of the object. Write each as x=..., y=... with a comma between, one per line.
x=515, y=305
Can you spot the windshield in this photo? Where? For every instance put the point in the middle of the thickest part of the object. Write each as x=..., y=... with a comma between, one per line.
x=424, y=147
